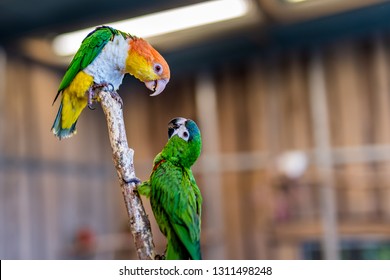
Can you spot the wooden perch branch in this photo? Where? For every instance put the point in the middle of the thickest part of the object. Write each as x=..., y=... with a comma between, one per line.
x=123, y=160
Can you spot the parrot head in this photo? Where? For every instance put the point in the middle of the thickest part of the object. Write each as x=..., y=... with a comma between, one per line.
x=147, y=65
x=185, y=143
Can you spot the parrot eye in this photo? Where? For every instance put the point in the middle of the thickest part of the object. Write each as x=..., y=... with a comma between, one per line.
x=185, y=135
x=158, y=69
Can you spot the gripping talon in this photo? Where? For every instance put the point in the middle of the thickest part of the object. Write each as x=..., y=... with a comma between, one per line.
x=90, y=98
x=134, y=180
x=116, y=96
x=110, y=87
x=159, y=257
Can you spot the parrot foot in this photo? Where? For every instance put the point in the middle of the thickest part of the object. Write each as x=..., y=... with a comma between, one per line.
x=91, y=95
x=134, y=180
x=110, y=88
x=159, y=257
x=116, y=96
x=102, y=86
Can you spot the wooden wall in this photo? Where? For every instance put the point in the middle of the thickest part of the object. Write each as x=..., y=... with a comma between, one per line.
x=250, y=113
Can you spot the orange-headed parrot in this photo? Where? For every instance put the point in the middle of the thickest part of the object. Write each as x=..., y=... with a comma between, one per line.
x=104, y=57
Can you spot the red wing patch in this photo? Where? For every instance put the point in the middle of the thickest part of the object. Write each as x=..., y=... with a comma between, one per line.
x=158, y=164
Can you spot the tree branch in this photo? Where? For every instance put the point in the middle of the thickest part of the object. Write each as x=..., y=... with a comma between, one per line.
x=123, y=160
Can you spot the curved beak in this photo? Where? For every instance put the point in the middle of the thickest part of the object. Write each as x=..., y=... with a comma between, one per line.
x=157, y=86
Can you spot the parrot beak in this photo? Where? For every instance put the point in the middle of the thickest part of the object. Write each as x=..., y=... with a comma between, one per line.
x=157, y=86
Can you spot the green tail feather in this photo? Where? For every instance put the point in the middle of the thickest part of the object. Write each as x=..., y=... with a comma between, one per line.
x=176, y=250
x=60, y=132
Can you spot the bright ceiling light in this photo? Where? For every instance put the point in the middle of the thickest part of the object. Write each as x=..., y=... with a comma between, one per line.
x=168, y=21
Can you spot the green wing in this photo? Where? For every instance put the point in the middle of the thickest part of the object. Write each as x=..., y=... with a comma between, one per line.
x=197, y=193
x=88, y=51
x=145, y=187
x=176, y=201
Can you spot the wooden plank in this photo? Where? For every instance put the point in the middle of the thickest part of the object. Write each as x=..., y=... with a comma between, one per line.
x=323, y=159
x=273, y=124
x=298, y=125
x=228, y=128
x=260, y=183
x=212, y=191
x=347, y=84
x=243, y=144
x=299, y=231
x=20, y=116
x=298, y=104
x=381, y=116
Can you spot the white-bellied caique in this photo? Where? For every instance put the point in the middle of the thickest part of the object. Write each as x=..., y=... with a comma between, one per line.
x=104, y=57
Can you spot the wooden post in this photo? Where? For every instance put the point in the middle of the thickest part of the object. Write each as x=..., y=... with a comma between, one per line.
x=207, y=114
x=381, y=99
x=123, y=160
x=323, y=159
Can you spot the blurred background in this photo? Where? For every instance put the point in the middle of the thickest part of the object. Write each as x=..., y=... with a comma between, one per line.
x=292, y=98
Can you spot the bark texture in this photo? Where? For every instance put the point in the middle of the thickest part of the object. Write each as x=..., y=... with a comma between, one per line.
x=123, y=160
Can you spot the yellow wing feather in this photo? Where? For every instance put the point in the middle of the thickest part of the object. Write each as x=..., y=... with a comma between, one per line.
x=74, y=99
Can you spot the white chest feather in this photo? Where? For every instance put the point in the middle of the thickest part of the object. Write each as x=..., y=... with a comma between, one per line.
x=109, y=65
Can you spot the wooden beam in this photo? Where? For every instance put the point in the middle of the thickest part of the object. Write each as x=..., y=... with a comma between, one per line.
x=207, y=114
x=324, y=163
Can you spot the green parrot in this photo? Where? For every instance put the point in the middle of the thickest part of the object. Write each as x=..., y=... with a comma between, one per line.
x=101, y=62
x=174, y=196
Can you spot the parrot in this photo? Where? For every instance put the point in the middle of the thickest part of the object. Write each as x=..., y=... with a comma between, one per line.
x=175, y=198
x=104, y=57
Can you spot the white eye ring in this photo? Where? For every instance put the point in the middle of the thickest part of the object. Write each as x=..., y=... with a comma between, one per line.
x=158, y=69
x=185, y=135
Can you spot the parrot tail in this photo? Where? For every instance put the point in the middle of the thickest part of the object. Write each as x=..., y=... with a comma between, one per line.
x=176, y=250
x=57, y=126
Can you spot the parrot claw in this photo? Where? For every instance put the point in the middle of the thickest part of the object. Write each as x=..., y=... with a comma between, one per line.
x=110, y=87
x=159, y=257
x=91, y=95
x=134, y=180
x=103, y=86
x=116, y=96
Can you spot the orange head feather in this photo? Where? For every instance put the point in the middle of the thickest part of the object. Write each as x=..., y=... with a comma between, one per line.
x=147, y=65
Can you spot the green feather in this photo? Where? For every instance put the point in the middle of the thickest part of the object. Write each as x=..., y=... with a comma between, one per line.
x=176, y=204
